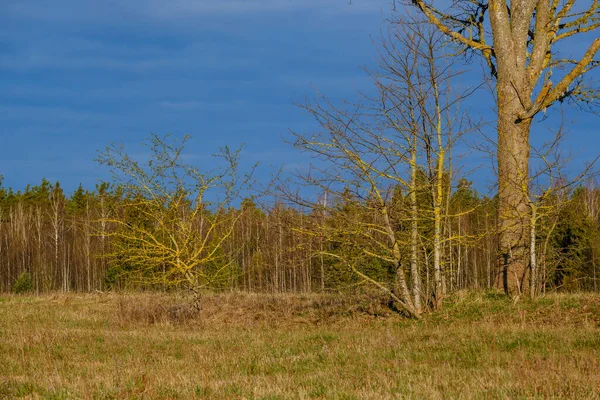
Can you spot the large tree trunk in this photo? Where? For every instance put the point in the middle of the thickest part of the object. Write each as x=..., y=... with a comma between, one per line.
x=513, y=182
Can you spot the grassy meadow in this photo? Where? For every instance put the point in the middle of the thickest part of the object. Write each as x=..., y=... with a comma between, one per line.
x=245, y=346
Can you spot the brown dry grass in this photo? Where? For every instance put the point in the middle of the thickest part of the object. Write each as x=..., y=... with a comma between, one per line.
x=114, y=346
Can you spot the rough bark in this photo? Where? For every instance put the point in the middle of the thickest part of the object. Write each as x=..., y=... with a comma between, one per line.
x=513, y=184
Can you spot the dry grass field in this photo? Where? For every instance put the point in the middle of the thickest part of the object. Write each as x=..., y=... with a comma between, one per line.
x=243, y=346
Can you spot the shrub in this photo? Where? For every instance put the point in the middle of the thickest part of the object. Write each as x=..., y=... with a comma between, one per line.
x=23, y=284
x=155, y=310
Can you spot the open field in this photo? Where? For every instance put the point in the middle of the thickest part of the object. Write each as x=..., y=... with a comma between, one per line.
x=292, y=346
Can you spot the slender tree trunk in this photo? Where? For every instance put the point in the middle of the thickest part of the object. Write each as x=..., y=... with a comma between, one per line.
x=280, y=267
x=88, y=246
x=488, y=252
x=321, y=248
x=104, y=214
x=400, y=289
x=459, y=259
x=427, y=273
x=452, y=271
x=39, y=259
x=277, y=251
x=437, y=218
x=532, y=250
x=594, y=269
x=414, y=266
x=468, y=267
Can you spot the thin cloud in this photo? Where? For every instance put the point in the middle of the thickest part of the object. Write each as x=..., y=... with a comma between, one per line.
x=50, y=113
x=193, y=105
x=179, y=8
x=55, y=56
x=111, y=10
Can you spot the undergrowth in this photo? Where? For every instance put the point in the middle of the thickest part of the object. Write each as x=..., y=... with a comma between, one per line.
x=281, y=346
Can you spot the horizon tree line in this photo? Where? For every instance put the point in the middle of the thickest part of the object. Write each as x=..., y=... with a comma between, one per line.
x=65, y=244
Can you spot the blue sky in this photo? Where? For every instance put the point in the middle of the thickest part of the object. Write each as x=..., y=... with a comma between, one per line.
x=77, y=75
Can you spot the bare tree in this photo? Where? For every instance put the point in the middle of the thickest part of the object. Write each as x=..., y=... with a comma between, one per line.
x=372, y=165
x=57, y=219
x=176, y=218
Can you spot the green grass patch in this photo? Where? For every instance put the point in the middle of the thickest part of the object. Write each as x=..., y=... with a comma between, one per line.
x=480, y=345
